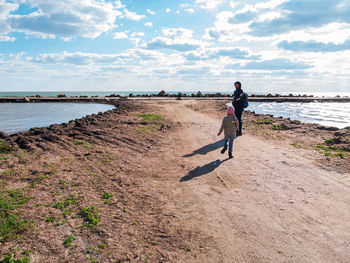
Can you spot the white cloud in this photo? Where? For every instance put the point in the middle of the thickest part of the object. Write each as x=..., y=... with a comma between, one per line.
x=138, y=34
x=190, y=10
x=209, y=4
x=151, y=12
x=168, y=10
x=149, y=24
x=179, y=39
x=120, y=35
x=66, y=19
x=132, y=15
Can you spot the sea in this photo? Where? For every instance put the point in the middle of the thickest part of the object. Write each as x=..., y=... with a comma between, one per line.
x=17, y=117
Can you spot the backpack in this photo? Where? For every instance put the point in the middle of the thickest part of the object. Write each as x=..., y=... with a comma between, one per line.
x=245, y=100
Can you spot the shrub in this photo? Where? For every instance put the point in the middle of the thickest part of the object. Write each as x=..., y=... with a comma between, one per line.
x=90, y=216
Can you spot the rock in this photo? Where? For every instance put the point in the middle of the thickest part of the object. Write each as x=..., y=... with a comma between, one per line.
x=2, y=135
x=61, y=95
x=162, y=93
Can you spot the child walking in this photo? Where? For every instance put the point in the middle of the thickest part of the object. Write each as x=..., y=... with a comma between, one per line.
x=229, y=126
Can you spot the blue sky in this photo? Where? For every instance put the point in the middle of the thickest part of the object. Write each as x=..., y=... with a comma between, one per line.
x=138, y=45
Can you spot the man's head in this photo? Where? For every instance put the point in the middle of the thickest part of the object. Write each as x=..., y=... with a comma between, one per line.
x=238, y=85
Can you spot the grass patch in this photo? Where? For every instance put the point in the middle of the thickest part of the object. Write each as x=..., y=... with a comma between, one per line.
x=69, y=240
x=332, y=151
x=50, y=219
x=10, y=259
x=4, y=148
x=63, y=204
x=90, y=216
x=151, y=128
x=151, y=118
x=10, y=224
x=82, y=143
x=276, y=127
x=107, y=197
x=3, y=158
x=263, y=121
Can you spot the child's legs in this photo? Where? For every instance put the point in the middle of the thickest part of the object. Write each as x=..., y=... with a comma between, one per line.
x=225, y=141
x=230, y=147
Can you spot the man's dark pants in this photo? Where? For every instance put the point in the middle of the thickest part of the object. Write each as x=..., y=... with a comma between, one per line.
x=238, y=114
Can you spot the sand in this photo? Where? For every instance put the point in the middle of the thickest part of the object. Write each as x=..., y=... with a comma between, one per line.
x=175, y=197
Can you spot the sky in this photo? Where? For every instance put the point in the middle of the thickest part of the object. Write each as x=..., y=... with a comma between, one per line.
x=175, y=45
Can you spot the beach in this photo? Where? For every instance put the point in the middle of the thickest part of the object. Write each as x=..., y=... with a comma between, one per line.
x=145, y=182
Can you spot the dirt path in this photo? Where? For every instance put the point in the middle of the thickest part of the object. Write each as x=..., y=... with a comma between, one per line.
x=267, y=204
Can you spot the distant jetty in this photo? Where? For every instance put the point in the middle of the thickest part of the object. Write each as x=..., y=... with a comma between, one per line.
x=166, y=96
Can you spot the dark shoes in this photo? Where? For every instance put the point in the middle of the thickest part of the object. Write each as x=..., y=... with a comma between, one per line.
x=230, y=155
x=239, y=134
x=224, y=149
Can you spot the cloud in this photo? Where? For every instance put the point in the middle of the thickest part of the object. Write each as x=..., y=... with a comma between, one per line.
x=217, y=53
x=5, y=28
x=313, y=46
x=299, y=14
x=76, y=58
x=209, y=4
x=132, y=15
x=275, y=64
x=149, y=24
x=168, y=10
x=179, y=39
x=150, y=12
x=190, y=10
x=7, y=39
x=244, y=17
x=66, y=18
x=120, y=35
x=160, y=43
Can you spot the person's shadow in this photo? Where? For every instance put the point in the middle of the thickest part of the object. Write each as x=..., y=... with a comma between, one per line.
x=202, y=170
x=207, y=148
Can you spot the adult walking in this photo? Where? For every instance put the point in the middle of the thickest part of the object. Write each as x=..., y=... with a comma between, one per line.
x=239, y=102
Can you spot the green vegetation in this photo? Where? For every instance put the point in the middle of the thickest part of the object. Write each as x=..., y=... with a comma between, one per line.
x=101, y=246
x=83, y=143
x=10, y=259
x=151, y=118
x=107, y=197
x=4, y=148
x=155, y=122
x=276, y=127
x=90, y=216
x=332, y=151
x=10, y=223
x=39, y=179
x=106, y=158
x=329, y=141
x=3, y=158
x=63, y=204
x=50, y=219
x=263, y=121
x=69, y=240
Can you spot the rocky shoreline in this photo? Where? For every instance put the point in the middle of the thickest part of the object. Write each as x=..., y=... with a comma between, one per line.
x=162, y=95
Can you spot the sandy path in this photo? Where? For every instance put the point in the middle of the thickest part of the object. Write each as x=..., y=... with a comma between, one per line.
x=267, y=204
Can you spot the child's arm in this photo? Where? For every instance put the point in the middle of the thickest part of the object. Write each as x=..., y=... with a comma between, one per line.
x=222, y=128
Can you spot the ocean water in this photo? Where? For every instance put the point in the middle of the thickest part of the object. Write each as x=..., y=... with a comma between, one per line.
x=325, y=113
x=17, y=117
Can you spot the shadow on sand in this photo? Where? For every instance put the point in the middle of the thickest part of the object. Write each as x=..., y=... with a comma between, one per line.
x=207, y=148
x=202, y=170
